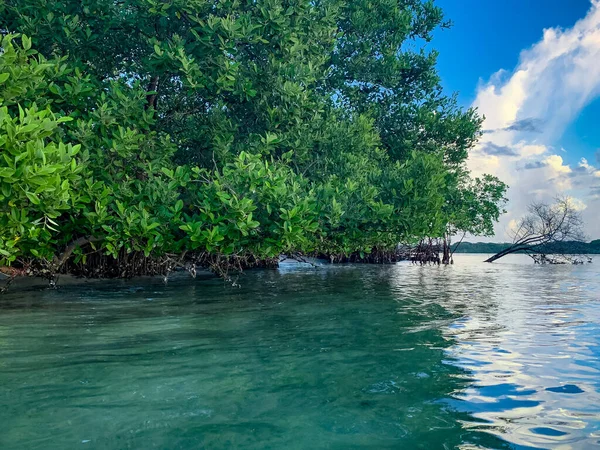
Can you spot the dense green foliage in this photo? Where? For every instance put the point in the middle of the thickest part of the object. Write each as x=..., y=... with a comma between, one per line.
x=230, y=128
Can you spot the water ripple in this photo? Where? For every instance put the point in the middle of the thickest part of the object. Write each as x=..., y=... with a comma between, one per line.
x=470, y=356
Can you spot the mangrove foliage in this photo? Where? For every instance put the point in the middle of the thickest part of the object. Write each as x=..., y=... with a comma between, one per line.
x=137, y=136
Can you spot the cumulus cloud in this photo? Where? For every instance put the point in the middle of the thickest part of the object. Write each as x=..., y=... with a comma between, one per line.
x=577, y=204
x=489, y=148
x=595, y=191
x=557, y=164
x=527, y=125
x=534, y=165
x=527, y=110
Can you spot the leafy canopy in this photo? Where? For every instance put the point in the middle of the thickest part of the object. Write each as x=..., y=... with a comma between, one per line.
x=234, y=128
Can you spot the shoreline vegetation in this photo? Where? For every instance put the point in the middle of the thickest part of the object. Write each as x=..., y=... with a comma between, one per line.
x=146, y=136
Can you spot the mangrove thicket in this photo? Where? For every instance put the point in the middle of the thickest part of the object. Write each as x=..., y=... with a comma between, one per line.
x=139, y=135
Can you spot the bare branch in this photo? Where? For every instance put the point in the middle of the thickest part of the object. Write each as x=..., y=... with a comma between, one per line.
x=545, y=224
x=63, y=258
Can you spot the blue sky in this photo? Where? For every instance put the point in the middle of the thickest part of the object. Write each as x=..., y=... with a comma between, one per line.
x=532, y=67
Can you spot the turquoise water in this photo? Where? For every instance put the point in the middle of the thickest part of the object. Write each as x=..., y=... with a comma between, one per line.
x=502, y=355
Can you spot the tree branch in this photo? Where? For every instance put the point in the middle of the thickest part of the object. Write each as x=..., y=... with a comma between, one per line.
x=66, y=254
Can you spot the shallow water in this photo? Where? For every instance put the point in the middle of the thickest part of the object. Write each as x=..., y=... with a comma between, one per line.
x=502, y=355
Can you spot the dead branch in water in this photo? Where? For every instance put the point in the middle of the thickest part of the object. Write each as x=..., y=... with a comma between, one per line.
x=560, y=259
x=545, y=224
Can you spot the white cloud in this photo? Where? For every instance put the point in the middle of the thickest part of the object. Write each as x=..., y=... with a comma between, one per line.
x=555, y=162
x=577, y=204
x=528, y=109
x=528, y=150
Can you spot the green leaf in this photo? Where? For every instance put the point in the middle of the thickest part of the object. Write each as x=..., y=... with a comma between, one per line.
x=33, y=198
x=26, y=41
x=6, y=172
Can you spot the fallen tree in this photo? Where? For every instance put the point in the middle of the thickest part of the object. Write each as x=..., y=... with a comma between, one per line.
x=545, y=224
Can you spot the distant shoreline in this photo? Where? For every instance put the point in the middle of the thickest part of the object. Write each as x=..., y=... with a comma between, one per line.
x=559, y=248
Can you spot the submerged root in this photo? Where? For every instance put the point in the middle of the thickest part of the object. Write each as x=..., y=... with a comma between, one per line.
x=7, y=284
x=127, y=265
x=426, y=252
x=376, y=256
x=560, y=259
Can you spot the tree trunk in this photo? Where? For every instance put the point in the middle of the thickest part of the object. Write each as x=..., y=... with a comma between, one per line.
x=497, y=256
x=446, y=252
x=153, y=97
x=512, y=249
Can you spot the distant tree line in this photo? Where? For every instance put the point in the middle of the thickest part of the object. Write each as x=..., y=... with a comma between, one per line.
x=559, y=248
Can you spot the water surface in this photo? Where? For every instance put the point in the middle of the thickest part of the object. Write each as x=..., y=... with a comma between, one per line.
x=502, y=355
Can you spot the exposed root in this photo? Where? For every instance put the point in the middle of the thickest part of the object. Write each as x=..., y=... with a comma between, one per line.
x=376, y=256
x=560, y=259
x=299, y=258
x=7, y=284
x=127, y=265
